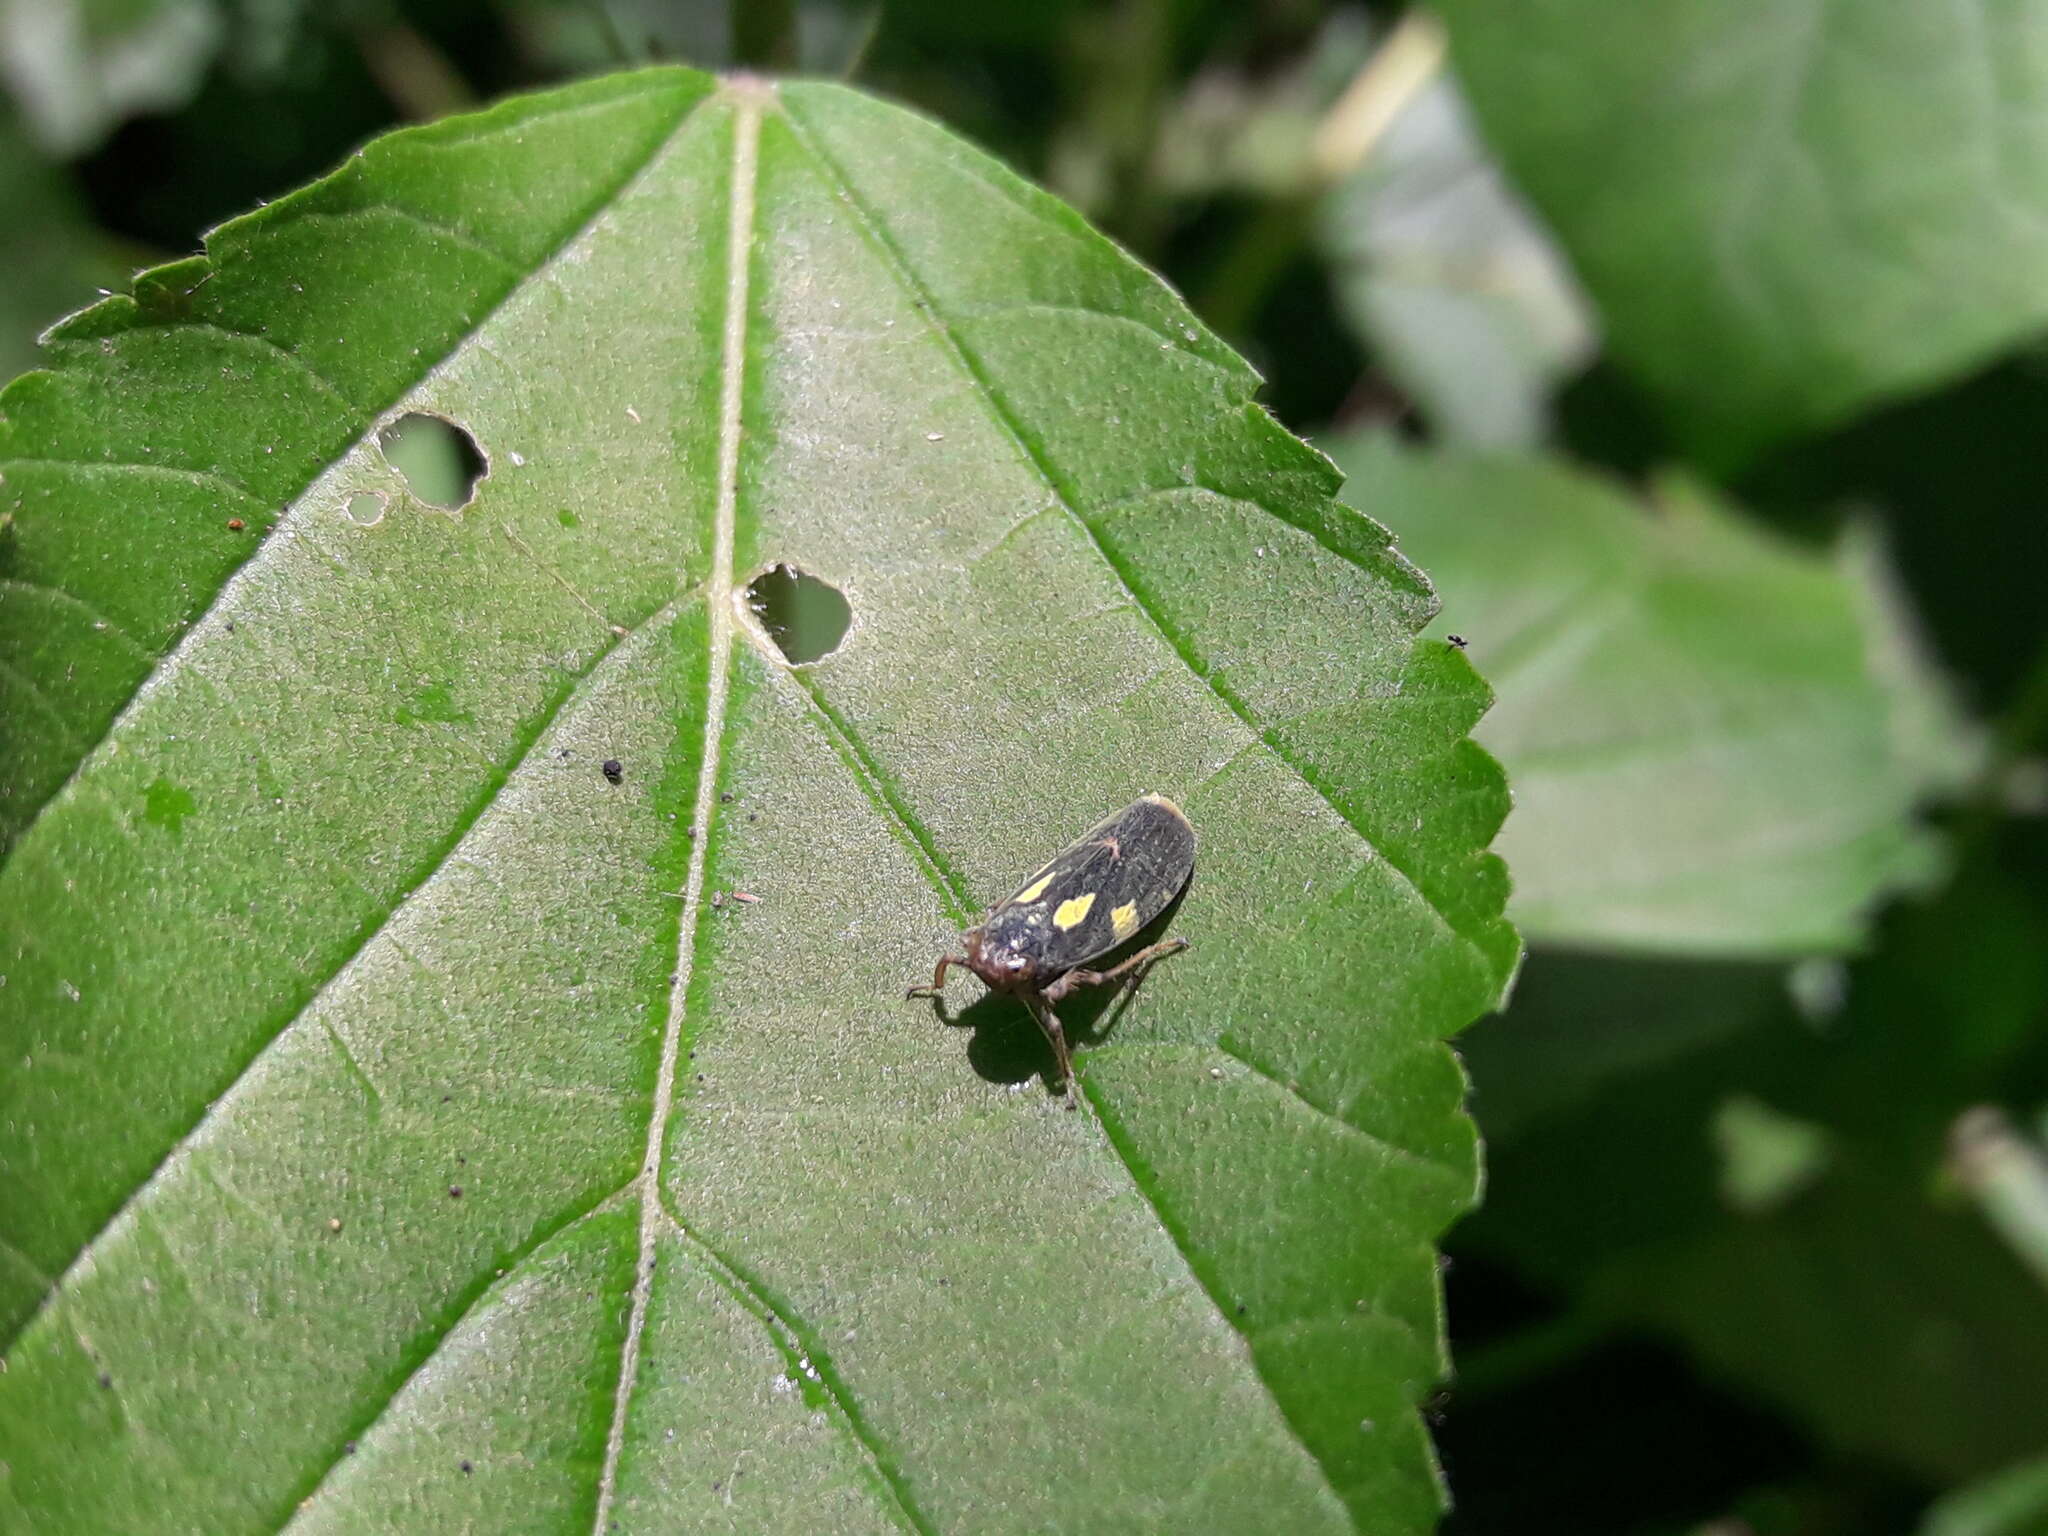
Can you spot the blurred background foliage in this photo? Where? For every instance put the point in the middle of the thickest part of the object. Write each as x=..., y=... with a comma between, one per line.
x=1697, y=353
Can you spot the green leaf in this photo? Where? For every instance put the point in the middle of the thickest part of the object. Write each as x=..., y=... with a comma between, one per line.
x=1784, y=211
x=1716, y=739
x=320, y=910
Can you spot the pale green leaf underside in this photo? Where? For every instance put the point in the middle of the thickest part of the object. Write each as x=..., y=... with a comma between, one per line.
x=1715, y=744
x=76, y=68
x=338, y=916
x=1461, y=293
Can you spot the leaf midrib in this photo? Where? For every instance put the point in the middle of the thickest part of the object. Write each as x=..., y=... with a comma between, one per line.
x=746, y=101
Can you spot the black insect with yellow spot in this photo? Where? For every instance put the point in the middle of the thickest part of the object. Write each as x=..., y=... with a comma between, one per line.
x=1089, y=898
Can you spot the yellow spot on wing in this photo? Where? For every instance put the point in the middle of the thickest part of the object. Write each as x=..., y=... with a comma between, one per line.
x=1125, y=919
x=1034, y=890
x=1072, y=911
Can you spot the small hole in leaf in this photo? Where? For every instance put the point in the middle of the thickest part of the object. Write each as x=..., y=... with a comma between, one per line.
x=440, y=462
x=365, y=509
x=804, y=616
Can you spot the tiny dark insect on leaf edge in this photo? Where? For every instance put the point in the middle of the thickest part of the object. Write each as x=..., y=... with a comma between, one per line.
x=1083, y=902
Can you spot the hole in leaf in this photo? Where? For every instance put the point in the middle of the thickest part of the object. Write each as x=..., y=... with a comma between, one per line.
x=365, y=509
x=805, y=617
x=441, y=463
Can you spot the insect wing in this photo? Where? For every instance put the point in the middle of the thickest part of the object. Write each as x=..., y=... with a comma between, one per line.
x=1102, y=889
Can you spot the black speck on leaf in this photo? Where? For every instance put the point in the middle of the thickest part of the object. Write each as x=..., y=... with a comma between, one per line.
x=614, y=770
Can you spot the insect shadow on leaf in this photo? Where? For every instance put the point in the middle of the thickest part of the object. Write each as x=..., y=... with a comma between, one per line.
x=1009, y=1047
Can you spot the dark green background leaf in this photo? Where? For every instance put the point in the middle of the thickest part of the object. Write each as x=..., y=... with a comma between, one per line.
x=1863, y=1295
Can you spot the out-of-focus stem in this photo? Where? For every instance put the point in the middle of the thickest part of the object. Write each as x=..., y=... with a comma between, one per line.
x=1395, y=75
x=2008, y=1178
x=414, y=74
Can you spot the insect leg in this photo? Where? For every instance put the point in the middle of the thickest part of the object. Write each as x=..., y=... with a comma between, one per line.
x=1057, y=1037
x=938, y=977
x=1073, y=979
